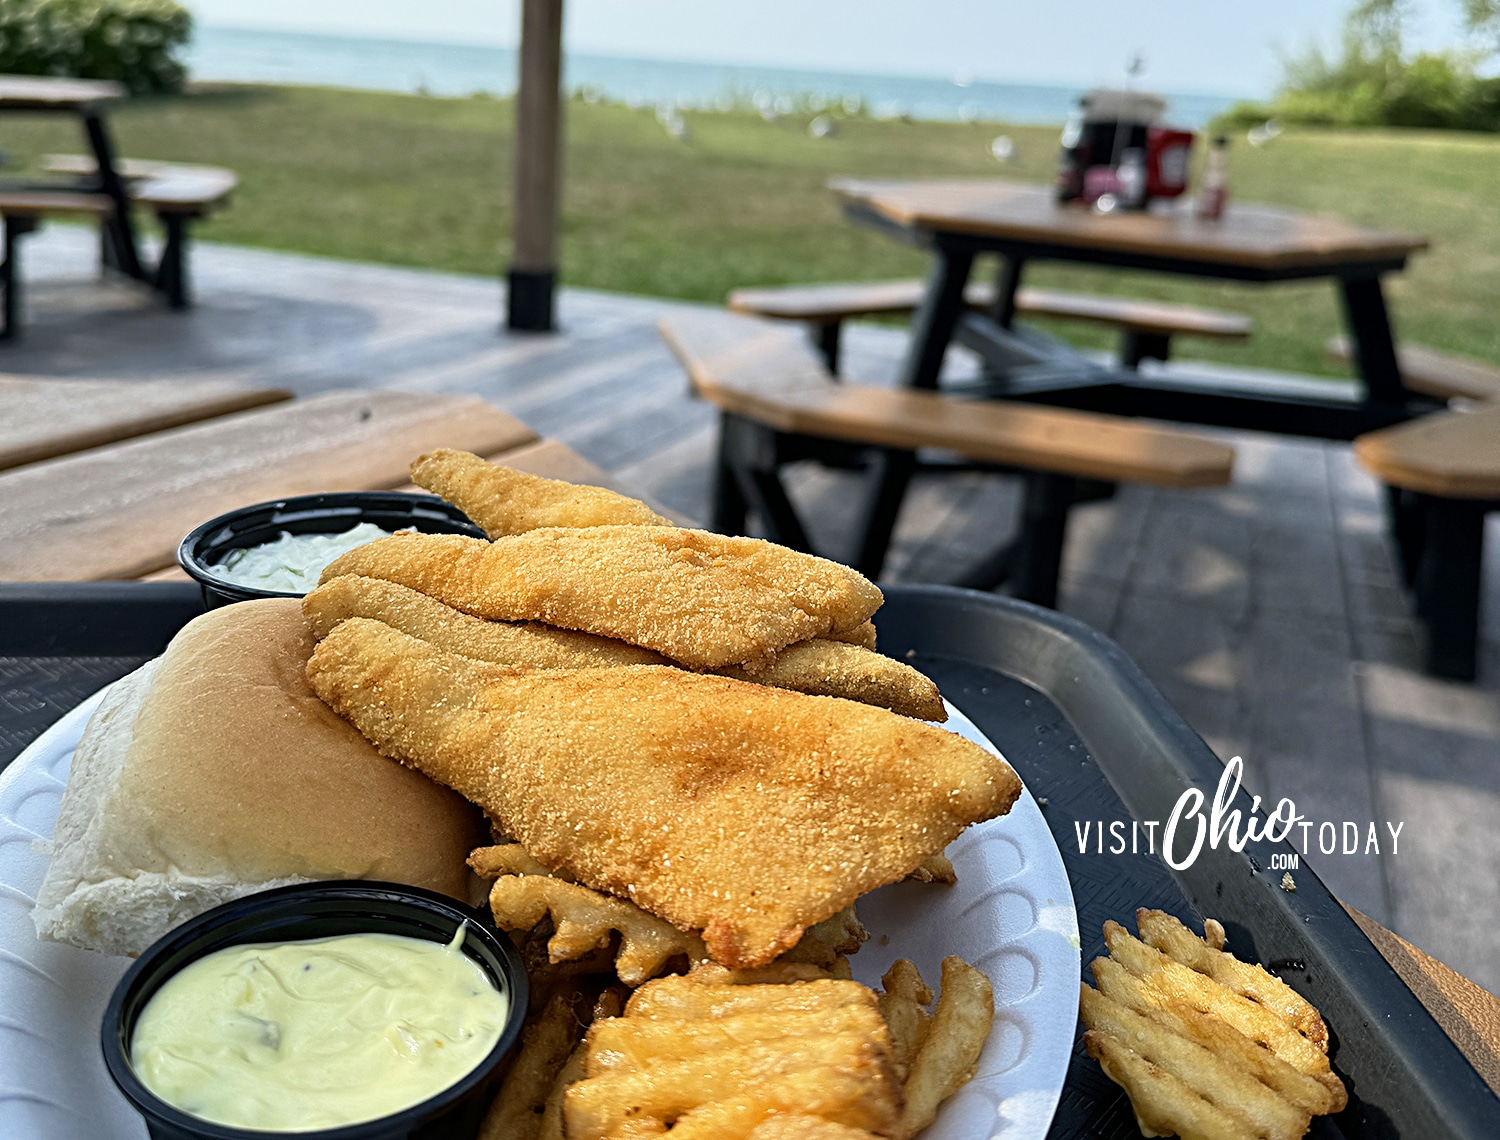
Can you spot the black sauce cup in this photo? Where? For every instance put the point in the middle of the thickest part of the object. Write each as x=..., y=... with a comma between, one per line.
x=322, y=910
x=332, y=513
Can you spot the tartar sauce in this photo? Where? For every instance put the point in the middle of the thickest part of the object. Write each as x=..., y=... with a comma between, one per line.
x=291, y=564
x=318, y=1034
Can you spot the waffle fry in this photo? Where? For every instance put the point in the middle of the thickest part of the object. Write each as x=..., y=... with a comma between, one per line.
x=1206, y=1046
x=721, y=1060
x=585, y=920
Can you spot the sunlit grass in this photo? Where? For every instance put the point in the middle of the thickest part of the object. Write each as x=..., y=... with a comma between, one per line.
x=421, y=181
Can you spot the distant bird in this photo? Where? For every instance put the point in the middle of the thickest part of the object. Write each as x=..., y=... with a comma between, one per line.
x=1264, y=133
x=821, y=127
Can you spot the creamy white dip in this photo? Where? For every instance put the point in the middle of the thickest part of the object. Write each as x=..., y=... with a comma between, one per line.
x=292, y=563
x=303, y=1036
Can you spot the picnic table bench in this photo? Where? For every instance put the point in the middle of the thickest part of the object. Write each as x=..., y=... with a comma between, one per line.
x=118, y=511
x=778, y=404
x=105, y=188
x=1440, y=375
x=177, y=193
x=1146, y=327
x=1444, y=474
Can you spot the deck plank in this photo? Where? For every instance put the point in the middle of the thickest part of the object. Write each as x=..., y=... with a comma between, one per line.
x=42, y=419
x=119, y=511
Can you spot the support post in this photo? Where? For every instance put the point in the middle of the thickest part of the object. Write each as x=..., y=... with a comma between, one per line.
x=533, y=268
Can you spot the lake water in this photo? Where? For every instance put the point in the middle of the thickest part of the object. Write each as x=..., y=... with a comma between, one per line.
x=457, y=69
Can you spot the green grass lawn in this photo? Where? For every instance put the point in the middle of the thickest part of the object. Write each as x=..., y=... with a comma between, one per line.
x=421, y=181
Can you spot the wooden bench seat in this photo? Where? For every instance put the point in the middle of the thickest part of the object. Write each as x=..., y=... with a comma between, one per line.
x=178, y=193
x=1433, y=373
x=166, y=187
x=42, y=419
x=1444, y=475
x=779, y=403
x=1146, y=327
x=119, y=511
x=22, y=210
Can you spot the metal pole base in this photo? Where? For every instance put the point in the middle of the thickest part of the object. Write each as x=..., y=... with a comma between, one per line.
x=529, y=301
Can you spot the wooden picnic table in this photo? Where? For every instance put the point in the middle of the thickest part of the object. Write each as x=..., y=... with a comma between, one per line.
x=959, y=220
x=88, y=99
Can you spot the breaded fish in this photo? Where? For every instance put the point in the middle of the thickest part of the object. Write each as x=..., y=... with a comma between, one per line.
x=504, y=501
x=526, y=645
x=702, y=599
x=836, y=669
x=818, y=667
x=743, y=812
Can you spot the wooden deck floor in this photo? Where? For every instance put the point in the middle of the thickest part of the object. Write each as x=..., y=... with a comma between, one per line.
x=1267, y=611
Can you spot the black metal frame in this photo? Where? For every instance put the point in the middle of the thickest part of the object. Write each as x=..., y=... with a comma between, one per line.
x=1440, y=539
x=119, y=248
x=747, y=480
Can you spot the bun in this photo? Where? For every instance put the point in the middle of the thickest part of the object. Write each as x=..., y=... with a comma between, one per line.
x=214, y=772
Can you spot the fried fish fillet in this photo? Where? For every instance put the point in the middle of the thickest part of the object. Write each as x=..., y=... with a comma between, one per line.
x=526, y=645
x=819, y=667
x=702, y=599
x=743, y=812
x=504, y=501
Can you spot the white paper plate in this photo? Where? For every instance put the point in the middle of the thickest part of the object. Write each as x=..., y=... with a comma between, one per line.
x=1011, y=914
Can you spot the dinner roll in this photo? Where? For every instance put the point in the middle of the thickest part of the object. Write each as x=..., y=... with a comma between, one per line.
x=214, y=772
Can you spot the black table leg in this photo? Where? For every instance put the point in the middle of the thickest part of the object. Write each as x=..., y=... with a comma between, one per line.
x=1039, y=545
x=889, y=476
x=1371, y=338
x=122, y=230
x=825, y=338
x=1447, y=584
x=932, y=327
x=1136, y=346
x=171, y=274
x=16, y=225
x=728, y=507
x=1007, y=284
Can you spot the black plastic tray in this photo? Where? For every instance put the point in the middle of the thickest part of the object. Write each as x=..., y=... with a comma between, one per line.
x=1093, y=740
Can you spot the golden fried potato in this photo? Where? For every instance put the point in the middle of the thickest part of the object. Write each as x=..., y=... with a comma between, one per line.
x=1166, y=934
x=505, y=859
x=904, y=1005
x=702, y=599
x=731, y=1056
x=1205, y=1045
x=1172, y=981
x=1299, y=1089
x=787, y=1126
x=935, y=869
x=826, y=942
x=585, y=920
x=950, y=1049
x=501, y=500
x=1162, y=1103
x=547, y=1040
x=1257, y=1109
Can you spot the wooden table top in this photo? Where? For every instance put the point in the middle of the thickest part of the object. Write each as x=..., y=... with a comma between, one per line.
x=1266, y=238
x=47, y=93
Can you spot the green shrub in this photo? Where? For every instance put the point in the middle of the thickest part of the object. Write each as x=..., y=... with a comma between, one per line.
x=134, y=42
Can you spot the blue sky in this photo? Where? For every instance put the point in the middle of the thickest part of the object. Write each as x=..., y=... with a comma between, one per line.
x=1214, y=46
